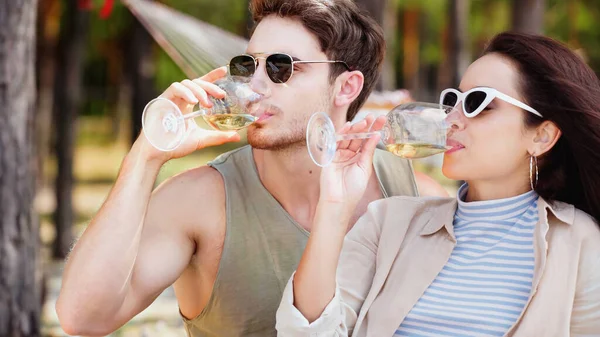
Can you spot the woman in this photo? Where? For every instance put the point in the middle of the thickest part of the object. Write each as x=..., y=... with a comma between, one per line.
x=516, y=254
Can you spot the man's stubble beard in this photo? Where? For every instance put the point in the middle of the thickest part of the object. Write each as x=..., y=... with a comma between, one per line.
x=278, y=140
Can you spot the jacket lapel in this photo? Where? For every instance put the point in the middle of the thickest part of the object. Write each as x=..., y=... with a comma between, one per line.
x=412, y=274
x=407, y=269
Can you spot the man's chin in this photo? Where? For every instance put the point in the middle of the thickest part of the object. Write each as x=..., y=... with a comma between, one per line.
x=264, y=143
x=259, y=140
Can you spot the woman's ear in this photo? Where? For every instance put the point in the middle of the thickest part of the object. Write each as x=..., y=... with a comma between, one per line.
x=545, y=137
x=348, y=86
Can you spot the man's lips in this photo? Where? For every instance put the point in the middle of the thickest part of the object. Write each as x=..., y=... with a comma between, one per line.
x=263, y=116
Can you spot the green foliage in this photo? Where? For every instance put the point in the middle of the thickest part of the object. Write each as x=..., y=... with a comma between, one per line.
x=104, y=57
x=579, y=28
x=581, y=31
x=167, y=71
x=226, y=14
x=486, y=19
x=111, y=28
x=108, y=40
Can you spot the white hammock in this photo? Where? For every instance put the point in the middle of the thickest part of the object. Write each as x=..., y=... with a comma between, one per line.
x=197, y=47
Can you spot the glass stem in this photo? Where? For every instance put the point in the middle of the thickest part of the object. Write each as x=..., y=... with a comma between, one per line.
x=194, y=114
x=363, y=135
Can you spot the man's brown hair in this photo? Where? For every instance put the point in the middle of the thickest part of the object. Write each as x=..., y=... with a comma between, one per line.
x=344, y=32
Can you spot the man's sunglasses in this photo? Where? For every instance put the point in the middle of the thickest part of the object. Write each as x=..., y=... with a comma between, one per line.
x=476, y=99
x=279, y=66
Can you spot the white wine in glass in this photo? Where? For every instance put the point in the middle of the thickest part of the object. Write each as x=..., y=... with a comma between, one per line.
x=415, y=150
x=412, y=130
x=227, y=122
x=165, y=126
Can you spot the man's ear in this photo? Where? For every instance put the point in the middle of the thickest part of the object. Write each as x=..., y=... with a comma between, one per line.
x=348, y=86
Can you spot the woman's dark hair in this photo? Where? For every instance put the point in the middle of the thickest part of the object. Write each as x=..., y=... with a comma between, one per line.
x=565, y=90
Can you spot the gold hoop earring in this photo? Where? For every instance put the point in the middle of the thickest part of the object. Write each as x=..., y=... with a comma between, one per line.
x=533, y=162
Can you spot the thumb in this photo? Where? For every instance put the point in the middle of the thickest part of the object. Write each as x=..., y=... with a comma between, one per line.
x=206, y=138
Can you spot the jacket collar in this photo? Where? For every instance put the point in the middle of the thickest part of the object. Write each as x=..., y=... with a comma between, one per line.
x=443, y=216
x=562, y=211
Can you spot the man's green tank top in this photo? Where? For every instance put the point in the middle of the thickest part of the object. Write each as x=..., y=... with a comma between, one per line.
x=263, y=246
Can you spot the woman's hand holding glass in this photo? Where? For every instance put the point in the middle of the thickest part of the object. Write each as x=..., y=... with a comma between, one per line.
x=411, y=130
x=344, y=180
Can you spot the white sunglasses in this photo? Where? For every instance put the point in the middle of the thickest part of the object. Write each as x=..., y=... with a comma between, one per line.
x=476, y=99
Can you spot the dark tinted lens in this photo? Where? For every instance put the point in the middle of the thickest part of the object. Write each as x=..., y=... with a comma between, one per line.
x=279, y=67
x=242, y=65
x=474, y=100
x=449, y=99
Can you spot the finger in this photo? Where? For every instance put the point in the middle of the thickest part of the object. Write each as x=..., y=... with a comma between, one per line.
x=369, y=119
x=378, y=123
x=345, y=127
x=349, y=130
x=215, y=74
x=205, y=138
x=360, y=127
x=210, y=88
x=374, y=123
x=343, y=130
x=365, y=159
x=198, y=92
x=180, y=91
x=345, y=157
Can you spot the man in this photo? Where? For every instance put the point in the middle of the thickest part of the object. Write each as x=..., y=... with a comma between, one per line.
x=229, y=235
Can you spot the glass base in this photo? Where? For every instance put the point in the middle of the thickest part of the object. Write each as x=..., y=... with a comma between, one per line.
x=320, y=139
x=163, y=124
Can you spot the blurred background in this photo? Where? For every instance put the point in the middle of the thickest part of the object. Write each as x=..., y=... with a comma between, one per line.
x=94, y=64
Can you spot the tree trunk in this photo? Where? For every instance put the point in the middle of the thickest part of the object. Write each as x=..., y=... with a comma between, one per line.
x=411, y=47
x=458, y=46
x=67, y=97
x=374, y=7
x=384, y=12
x=20, y=304
x=248, y=22
x=572, y=7
x=528, y=16
x=142, y=75
x=45, y=62
x=390, y=26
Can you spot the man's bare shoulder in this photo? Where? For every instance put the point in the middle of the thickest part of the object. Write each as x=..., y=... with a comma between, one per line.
x=203, y=181
x=193, y=199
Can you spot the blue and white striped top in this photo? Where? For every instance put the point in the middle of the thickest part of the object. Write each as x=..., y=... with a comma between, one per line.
x=484, y=286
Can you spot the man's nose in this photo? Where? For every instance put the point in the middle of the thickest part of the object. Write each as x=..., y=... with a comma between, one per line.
x=260, y=86
x=260, y=82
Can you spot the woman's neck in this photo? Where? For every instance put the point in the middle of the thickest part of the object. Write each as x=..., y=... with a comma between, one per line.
x=484, y=190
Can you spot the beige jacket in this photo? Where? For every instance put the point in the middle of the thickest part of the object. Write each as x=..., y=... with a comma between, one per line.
x=398, y=247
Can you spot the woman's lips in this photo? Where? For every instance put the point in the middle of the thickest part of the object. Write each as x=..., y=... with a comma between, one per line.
x=454, y=146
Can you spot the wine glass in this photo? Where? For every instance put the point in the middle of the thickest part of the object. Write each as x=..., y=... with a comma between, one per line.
x=412, y=130
x=166, y=127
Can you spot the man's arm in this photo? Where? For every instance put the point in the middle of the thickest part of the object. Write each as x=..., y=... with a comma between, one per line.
x=139, y=242
x=135, y=247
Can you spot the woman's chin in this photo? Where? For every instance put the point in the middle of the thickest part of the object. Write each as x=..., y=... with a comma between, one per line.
x=452, y=172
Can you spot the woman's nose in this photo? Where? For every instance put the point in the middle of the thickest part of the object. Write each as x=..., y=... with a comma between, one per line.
x=456, y=119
